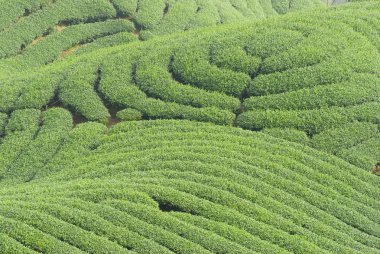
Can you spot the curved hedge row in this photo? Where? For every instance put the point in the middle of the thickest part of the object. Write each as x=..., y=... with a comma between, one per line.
x=335, y=140
x=364, y=154
x=184, y=187
x=12, y=11
x=25, y=30
x=166, y=16
x=56, y=45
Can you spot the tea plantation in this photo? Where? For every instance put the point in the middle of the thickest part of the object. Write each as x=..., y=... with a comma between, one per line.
x=189, y=126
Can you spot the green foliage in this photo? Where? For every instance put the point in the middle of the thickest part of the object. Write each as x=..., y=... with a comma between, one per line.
x=157, y=82
x=194, y=68
x=294, y=71
x=236, y=59
x=365, y=154
x=120, y=90
x=25, y=31
x=108, y=41
x=177, y=16
x=189, y=185
x=311, y=121
x=12, y=10
x=281, y=6
x=284, y=6
x=145, y=35
x=52, y=46
x=3, y=119
x=126, y=7
x=206, y=15
x=268, y=42
x=20, y=131
x=295, y=79
x=292, y=135
x=344, y=137
x=33, y=239
x=56, y=124
x=179, y=186
x=149, y=12
x=129, y=114
x=22, y=120
x=359, y=89
x=10, y=245
x=77, y=91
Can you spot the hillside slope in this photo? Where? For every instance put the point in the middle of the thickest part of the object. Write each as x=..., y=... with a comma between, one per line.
x=183, y=187
x=162, y=126
x=312, y=72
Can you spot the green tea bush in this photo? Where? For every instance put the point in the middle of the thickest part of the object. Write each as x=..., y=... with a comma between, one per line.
x=365, y=154
x=37, y=91
x=108, y=41
x=206, y=15
x=3, y=119
x=20, y=130
x=13, y=10
x=295, y=79
x=157, y=82
x=236, y=59
x=313, y=50
x=177, y=17
x=79, y=142
x=267, y=42
x=77, y=91
x=129, y=114
x=359, y=89
x=312, y=121
x=24, y=32
x=167, y=16
x=10, y=245
x=22, y=120
x=194, y=68
x=32, y=238
x=56, y=124
x=149, y=13
x=50, y=48
x=9, y=93
x=121, y=90
x=126, y=7
x=292, y=135
x=344, y=137
x=284, y=6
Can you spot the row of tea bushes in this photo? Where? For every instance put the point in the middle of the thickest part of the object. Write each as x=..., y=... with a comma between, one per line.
x=43, y=22
x=185, y=187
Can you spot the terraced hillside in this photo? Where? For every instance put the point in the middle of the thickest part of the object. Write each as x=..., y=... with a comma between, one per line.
x=178, y=186
x=201, y=126
x=40, y=31
x=312, y=72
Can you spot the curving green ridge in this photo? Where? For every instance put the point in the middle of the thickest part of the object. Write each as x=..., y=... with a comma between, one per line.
x=123, y=132
x=182, y=187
